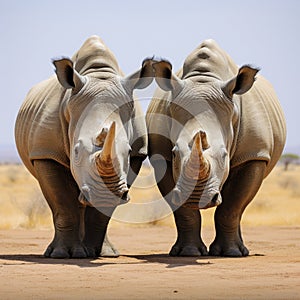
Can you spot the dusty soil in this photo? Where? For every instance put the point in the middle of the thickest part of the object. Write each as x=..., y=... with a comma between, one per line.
x=145, y=271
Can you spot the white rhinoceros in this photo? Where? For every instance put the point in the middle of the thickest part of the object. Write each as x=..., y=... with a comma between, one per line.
x=217, y=138
x=83, y=136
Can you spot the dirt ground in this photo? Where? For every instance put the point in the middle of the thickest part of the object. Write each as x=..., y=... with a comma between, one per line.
x=145, y=271
x=271, y=230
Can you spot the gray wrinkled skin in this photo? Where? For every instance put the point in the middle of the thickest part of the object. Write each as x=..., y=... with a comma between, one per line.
x=220, y=134
x=83, y=137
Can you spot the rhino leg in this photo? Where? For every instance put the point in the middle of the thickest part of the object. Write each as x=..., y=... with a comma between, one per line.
x=188, y=221
x=95, y=239
x=189, y=242
x=61, y=193
x=240, y=188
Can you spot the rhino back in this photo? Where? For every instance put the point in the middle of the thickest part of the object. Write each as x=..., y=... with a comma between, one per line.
x=208, y=62
x=40, y=132
x=94, y=58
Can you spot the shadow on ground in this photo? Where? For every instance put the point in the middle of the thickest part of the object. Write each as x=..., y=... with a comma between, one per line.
x=165, y=259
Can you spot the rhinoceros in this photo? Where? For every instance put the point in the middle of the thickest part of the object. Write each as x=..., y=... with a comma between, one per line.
x=214, y=135
x=82, y=135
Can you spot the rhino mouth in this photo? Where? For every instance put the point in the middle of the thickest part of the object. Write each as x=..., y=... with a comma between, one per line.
x=104, y=195
x=196, y=201
x=197, y=205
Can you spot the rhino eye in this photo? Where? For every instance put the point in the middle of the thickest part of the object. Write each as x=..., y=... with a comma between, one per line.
x=224, y=153
x=77, y=152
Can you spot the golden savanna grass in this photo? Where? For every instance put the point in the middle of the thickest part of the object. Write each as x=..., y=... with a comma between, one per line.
x=22, y=205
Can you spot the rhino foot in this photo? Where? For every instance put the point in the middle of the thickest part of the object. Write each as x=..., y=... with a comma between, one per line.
x=233, y=249
x=77, y=251
x=188, y=250
x=93, y=252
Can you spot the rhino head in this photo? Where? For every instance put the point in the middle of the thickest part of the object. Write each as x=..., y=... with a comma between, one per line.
x=99, y=110
x=203, y=116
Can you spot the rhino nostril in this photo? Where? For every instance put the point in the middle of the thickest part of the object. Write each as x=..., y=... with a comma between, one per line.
x=125, y=197
x=215, y=198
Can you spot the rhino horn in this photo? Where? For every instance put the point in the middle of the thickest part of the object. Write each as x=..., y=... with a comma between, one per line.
x=99, y=141
x=204, y=141
x=108, y=150
x=197, y=166
x=106, y=158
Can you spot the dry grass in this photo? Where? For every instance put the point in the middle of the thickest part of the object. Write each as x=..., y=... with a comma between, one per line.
x=22, y=204
x=278, y=201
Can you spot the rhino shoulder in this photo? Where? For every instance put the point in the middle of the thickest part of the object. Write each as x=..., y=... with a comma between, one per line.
x=262, y=126
x=38, y=122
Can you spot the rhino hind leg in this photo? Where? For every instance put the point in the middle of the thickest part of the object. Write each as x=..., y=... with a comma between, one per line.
x=238, y=191
x=61, y=193
x=95, y=238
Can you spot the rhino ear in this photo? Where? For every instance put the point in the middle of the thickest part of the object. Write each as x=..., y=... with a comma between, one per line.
x=241, y=83
x=67, y=76
x=165, y=78
x=140, y=79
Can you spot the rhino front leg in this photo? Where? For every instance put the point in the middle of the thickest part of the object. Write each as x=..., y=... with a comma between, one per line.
x=189, y=242
x=240, y=188
x=95, y=239
x=61, y=193
x=188, y=221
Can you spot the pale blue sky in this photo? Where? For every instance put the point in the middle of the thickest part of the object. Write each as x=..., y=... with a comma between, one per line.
x=264, y=33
